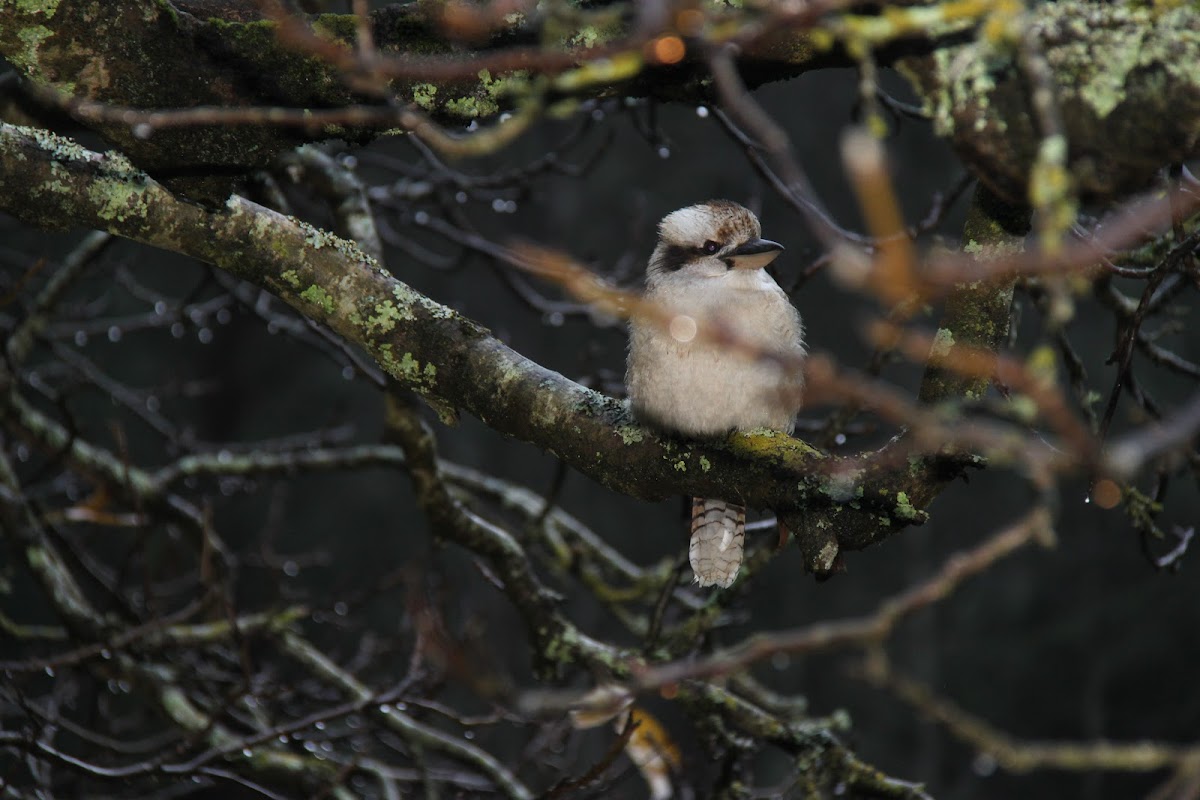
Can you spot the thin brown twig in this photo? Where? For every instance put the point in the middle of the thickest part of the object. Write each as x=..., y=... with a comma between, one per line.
x=863, y=631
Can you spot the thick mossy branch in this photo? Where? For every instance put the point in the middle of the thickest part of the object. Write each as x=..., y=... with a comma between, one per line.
x=977, y=314
x=1126, y=77
x=450, y=360
x=223, y=53
x=976, y=317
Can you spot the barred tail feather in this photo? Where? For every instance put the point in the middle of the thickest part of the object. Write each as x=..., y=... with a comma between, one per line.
x=718, y=537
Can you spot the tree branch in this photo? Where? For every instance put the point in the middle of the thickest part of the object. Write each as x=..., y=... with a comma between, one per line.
x=453, y=362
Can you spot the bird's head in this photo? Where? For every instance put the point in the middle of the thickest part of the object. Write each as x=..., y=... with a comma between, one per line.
x=709, y=240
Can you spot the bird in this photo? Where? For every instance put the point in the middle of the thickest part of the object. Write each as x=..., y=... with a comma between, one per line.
x=707, y=273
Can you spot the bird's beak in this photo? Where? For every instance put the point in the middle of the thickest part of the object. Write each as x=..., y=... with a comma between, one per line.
x=754, y=254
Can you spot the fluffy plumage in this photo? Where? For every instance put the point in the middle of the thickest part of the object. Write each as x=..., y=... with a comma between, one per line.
x=707, y=270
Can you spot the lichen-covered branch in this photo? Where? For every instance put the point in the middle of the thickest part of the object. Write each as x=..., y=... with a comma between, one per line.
x=1125, y=77
x=451, y=361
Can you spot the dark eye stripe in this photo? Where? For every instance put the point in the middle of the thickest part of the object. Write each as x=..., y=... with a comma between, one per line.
x=675, y=257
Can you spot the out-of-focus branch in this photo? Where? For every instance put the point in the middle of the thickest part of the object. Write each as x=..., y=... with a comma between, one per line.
x=407, y=727
x=1019, y=755
x=864, y=632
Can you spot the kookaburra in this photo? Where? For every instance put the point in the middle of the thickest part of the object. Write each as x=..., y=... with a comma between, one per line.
x=707, y=274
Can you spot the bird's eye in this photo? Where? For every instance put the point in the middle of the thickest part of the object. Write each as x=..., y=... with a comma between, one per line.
x=711, y=247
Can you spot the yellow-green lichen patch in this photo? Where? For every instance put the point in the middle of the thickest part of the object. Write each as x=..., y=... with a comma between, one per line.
x=680, y=466
x=385, y=317
x=905, y=509
x=423, y=94
x=472, y=107
x=390, y=312
x=290, y=277
x=318, y=297
x=767, y=443
x=705, y=464
x=116, y=200
x=408, y=369
x=513, y=83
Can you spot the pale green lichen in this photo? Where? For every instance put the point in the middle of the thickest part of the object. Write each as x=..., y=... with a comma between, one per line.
x=965, y=76
x=1023, y=407
x=290, y=277
x=117, y=163
x=680, y=466
x=943, y=343
x=1097, y=53
x=1105, y=89
x=705, y=465
x=46, y=8
x=60, y=148
x=587, y=36
x=842, y=487
x=26, y=57
x=630, y=434
x=318, y=297
x=317, y=239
